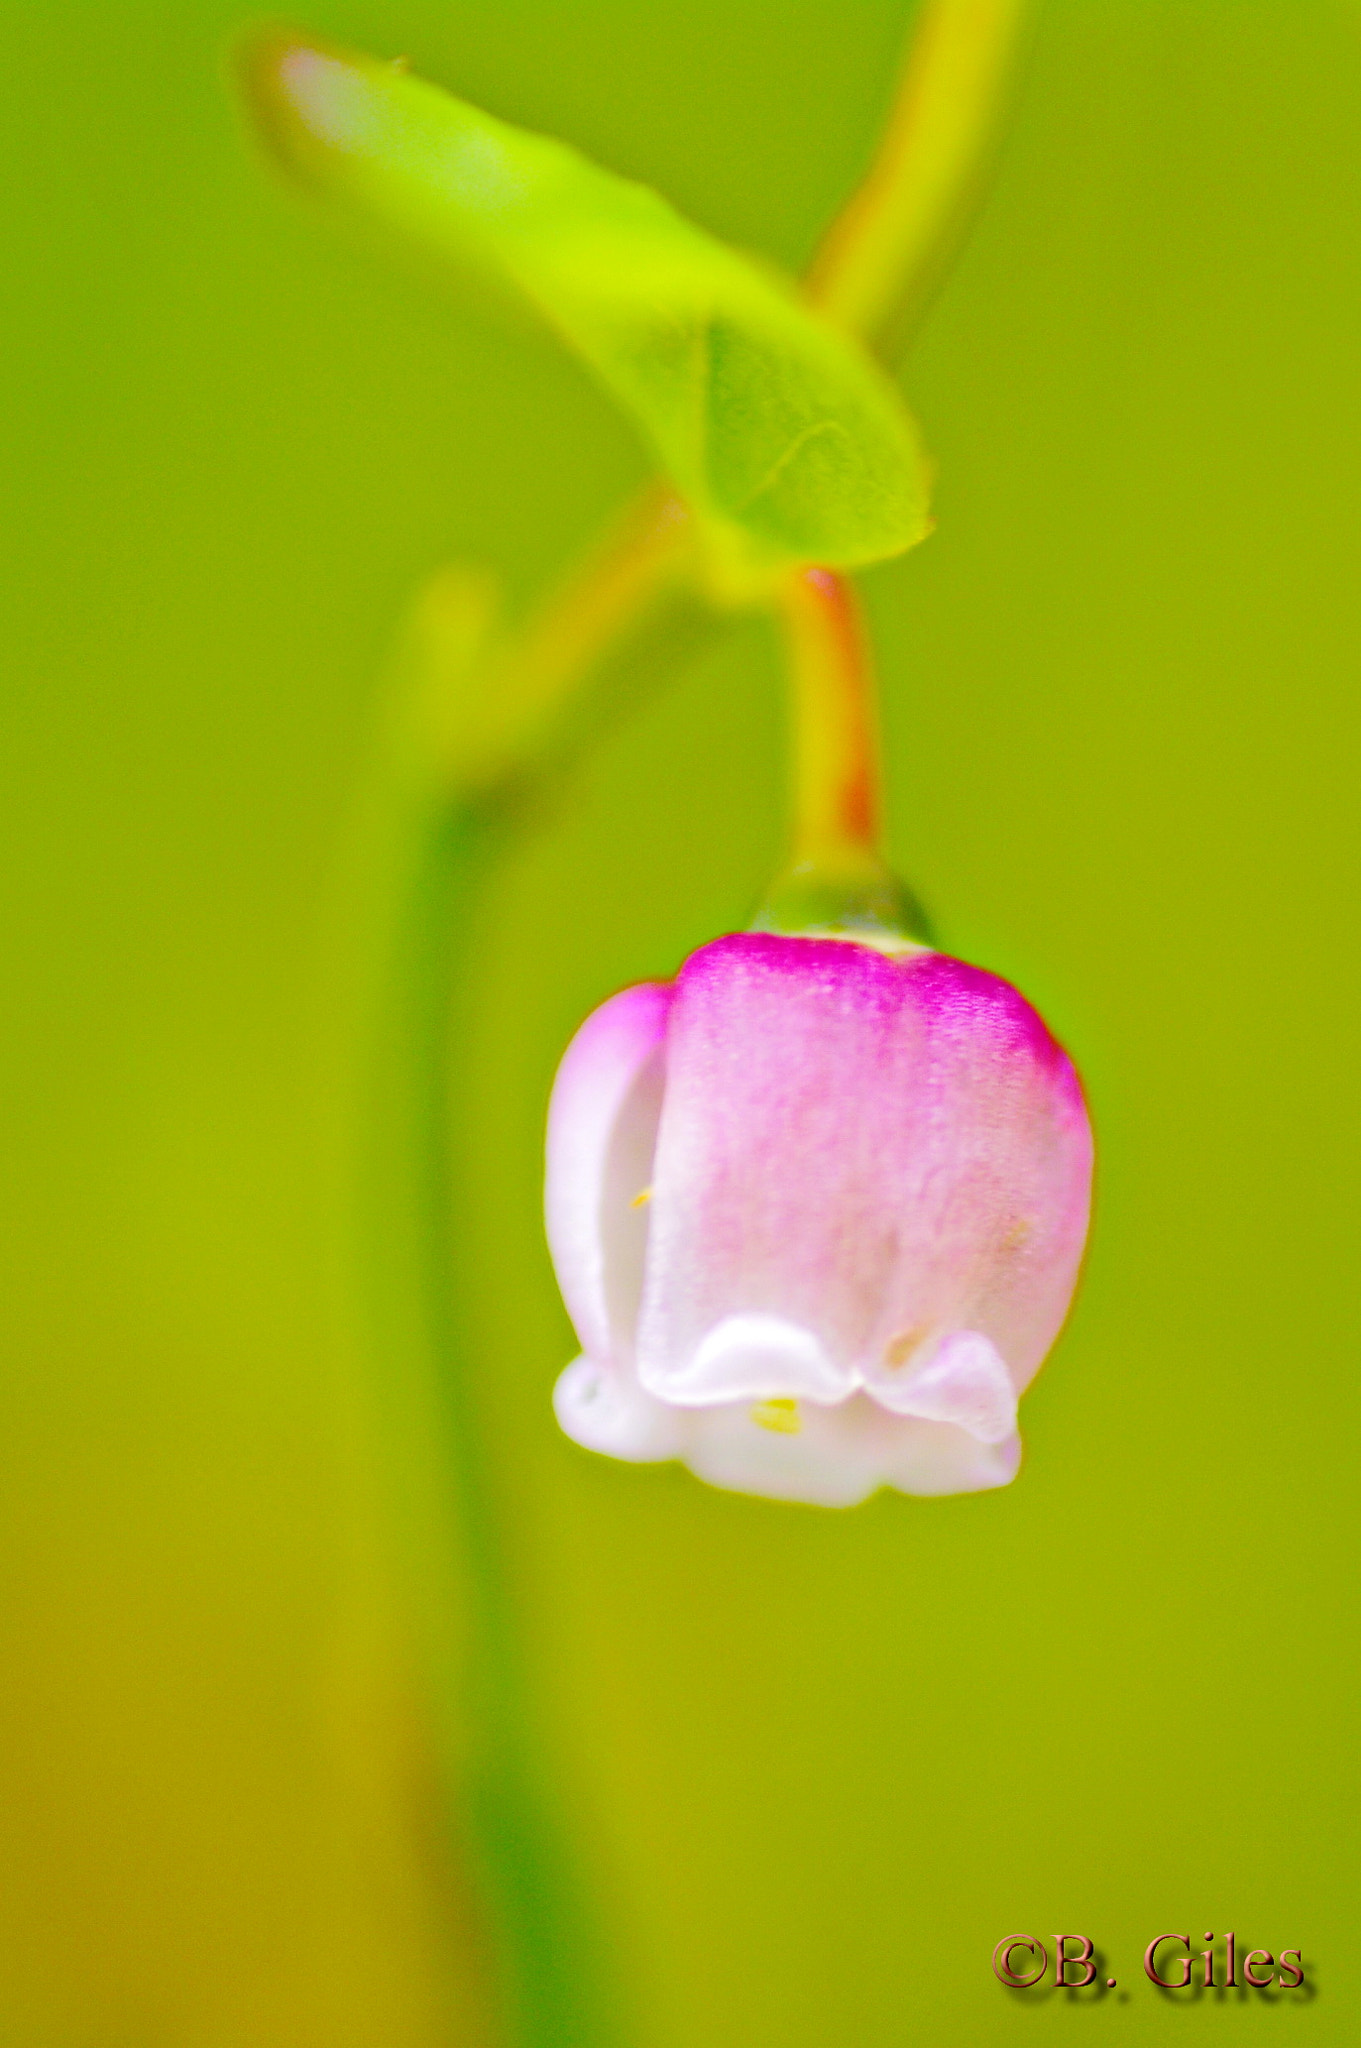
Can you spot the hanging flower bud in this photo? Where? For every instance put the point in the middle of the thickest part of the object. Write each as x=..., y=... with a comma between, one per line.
x=817, y=1210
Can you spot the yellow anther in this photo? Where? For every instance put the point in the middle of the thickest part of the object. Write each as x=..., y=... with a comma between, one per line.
x=643, y=1195
x=779, y=1415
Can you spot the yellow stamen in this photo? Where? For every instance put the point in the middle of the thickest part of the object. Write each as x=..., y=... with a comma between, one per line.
x=643, y=1195
x=779, y=1415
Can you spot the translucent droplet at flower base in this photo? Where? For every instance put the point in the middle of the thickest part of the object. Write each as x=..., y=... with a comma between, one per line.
x=817, y=1211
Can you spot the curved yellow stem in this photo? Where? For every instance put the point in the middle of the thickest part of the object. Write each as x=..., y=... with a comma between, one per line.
x=836, y=796
x=836, y=879
x=515, y=704
x=887, y=249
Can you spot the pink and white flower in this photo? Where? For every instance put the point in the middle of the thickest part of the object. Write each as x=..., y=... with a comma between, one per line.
x=817, y=1211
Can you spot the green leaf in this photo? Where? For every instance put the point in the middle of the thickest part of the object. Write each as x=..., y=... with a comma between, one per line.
x=790, y=444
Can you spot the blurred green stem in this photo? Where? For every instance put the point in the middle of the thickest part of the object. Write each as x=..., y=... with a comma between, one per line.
x=517, y=710
x=551, y=1994
x=890, y=246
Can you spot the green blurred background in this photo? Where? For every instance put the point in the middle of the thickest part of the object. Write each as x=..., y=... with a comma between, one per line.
x=814, y=1764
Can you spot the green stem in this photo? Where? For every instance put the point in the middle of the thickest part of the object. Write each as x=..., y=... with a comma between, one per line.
x=475, y=733
x=496, y=1777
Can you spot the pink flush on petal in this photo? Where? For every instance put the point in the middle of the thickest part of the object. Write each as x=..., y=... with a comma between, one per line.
x=817, y=1211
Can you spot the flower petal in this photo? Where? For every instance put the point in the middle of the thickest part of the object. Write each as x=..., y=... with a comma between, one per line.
x=964, y=1382
x=603, y=1408
x=839, y=1196
x=993, y=1189
x=829, y=1460
x=602, y=1126
x=878, y=1150
x=789, y=1101
x=752, y=1358
x=836, y=1457
x=934, y=1458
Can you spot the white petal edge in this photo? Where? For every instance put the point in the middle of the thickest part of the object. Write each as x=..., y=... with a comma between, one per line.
x=835, y=1458
x=604, y=1409
x=751, y=1357
x=602, y=1127
x=840, y=1456
x=965, y=1381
